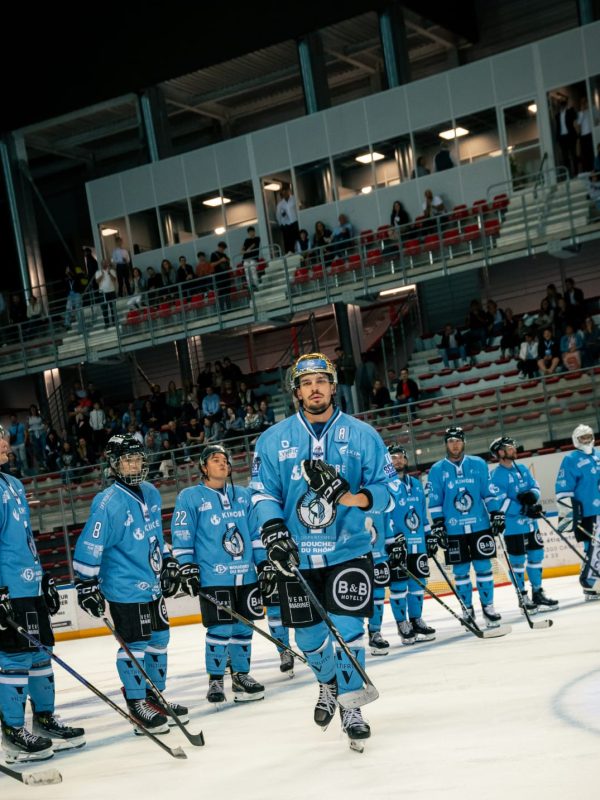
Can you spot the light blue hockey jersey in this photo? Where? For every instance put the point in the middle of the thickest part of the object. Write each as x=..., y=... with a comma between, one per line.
x=510, y=482
x=215, y=529
x=20, y=568
x=122, y=543
x=579, y=478
x=325, y=534
x=378, y=525
x=461, y=493
x=409, y=515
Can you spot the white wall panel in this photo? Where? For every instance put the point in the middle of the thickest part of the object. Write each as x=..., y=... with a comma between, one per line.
x=200, y=171
x=514, y=76
x=471, y=88
x=561, y=59
x=105, y=198
x=387, y=114
x=138, y=189
x=308, y=139
x=428, y=102
x=169, y=180
x=346, y=126
x=271, y=149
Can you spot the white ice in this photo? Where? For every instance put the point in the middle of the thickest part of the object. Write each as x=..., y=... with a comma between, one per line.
x=515, y=717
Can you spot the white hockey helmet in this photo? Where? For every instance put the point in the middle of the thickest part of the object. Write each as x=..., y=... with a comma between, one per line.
x=583, y=439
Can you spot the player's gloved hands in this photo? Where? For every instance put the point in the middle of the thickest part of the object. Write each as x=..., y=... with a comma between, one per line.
x=189, y=575
x=497, y=523
x=90, y=598
x=324, y=480
x=281, y=548
x=431, y=543
x=439, y=532
x=397, y=552
x=169, y=577
x=536, y=511
x=51, y=595
x=267, y=579
x=6, y=609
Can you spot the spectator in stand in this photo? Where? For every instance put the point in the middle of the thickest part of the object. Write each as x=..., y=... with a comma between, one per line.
x=545, y=317
x=138, y=288
x=17, y=310
x=452, y=346
x=380, y=395
x=204, y=272
x=204, y=379
x=250, y=254
x=211, y=404
x=341, y=236
x=566, y=134
x=496, y=317
x=245, y=395
x=52, y=451
x=562, y=317
x=509, y=343
x=153, y=444
x=133, y=430
x=302, y=246
x=442, y=159
x=150, y=418
x=218, y=376
x=121, y=260
x=575, y=303
x=266, y=413
x=231, y=371
x=36, y=432
x=98, y=426
x=166, y=467
x=106, y=280
x=91, y=267
x=16, y=433
x=194, y=437
x=234, y=424
x=287, y=218
x=174, y=400
x=222, y=273
x=113, y=423
x=131, y=414
x=173, y=435
x=478, y=322
x=366, y=375
x=407, y=390
x=185, y=272
x=83, y=429
x=167, y=273
x=346, y=375
x=548, y=353
x=399, y=219
x=74, y=299
x=320, y=242
x=85, y=453
x=553, y=296
x=68, y=463
x=252, y=420
x=154, y=282
x=590, y=349
x=433, y=205
x=213, y=430
x=529, y=356
x=420, y=170
x=228, y=393
x=12, y=466
x=571, y=344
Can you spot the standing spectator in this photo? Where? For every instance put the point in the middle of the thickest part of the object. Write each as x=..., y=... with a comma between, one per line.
x=346, y=375
x=17, y=311
x=562, y=317
x=575, y=303
x=167, y=272
x=342, y=234
x=509, y=343
x=420, y=170
x=590, y=350
x=91, y=266
x=586, y=144
x=407, y=391
x=138, y=287
x=250, y=254
x=442, y=159
x=106, y=279
x=545, y=317
x=36, y=431
x=478, y=322
x=185, y=271
x=217, y=375
x=74, y=299
x=452, y=346
x=287, y=218
x=553, y=295
x=223, y=277
x=98, y=426
x=398, y=219
x=570, y=348
x=365, y=377
x=566, y=135
x=231, y=371
x=204, y=271
x=174, y=399
x=528, y=356
x=122, y=261
x=16, y=432
x=548, y=353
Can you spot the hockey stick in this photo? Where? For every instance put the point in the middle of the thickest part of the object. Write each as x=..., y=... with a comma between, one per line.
x=359, y=697
x=176, y=752
x=43, y=777
x=232, y=613
x=559, y=533
x=540, y=623
x=472, y=627
x=473, y=623
x=197, y=739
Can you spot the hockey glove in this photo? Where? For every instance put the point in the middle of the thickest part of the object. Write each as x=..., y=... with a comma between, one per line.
x=439, y=532
x=497, y=523
x=51, y=595
x=536, y=511
x=6, y=609
x=397, y=552
x=169, y=577
x=189, y=575
x=267, y=579
x=324, y=481
x=90, y=598
x=282, y=550
x=529, y=505
x=431, y=543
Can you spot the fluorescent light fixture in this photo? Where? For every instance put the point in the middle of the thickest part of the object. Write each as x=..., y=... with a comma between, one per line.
x=272, y=186
x=398, y=290
x=366, y=158
x=532, y=108
x=495, y=153
x=216, y=201
x=366, y=189
x=220, y=230
x=453, y=133
x=108, y=231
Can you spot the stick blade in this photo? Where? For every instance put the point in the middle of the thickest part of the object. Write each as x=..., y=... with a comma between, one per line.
x=358, y=698
x=41, y=778
x=542, y=623
x=197, y=739
x=494, y=633
x=178, y=752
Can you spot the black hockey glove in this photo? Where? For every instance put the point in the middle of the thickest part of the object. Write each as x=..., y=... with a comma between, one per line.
x=6, y=609
x=397, y=552
x=324, y=480
x=431, y=543
x=282, y=550
x=439, y=532
x=51, y=595
x=530, y=505
x=189, y=575
x=497, y=523
x=169, y=577
x=267, y=579
x=90, y=598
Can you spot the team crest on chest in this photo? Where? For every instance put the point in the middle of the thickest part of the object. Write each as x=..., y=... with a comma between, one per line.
x=233, y=542
x=315, y=512
x=463, y=502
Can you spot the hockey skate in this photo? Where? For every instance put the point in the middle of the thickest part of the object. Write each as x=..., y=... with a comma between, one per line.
x=355, y=728
x=591, y=594
x=180, y=712
x=529, y=605
x=146, y=716
x=63, y=737
x=286, y=663
x=20, y=745
x=379, y=646
x=491, y=616
x=540, y=598
x=406, y=633
x=216, y=689
x=421, y=630
x=245, y=688
x=326, y=704
x=469, y=615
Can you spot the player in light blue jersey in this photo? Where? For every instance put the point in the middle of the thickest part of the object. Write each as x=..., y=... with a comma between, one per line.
x=578, y=496
x=121, y=556
x=459, y=494
x=519, y=499
x=29, y=597
x=213, y=528
x=315, y=477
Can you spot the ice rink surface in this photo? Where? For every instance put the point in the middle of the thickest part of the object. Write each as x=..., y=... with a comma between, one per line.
x=516, y=717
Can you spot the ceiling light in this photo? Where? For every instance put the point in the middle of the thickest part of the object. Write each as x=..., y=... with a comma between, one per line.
x=366, y=158
x=220, y=230
x=399, y=290
x=216, y=201
x=453, y=133
x=366, y=189
x=272, y=186
x=108, y=231
x=533, y=108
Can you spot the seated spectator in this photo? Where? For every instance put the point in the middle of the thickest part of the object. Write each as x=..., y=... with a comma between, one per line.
x=452, y=346
x=478, y=322
x=167, y=272
x=380, y=395
x=154, y=282
x=267, y=414
x=341, y=237
x=85, y=452
x=204, y=272
x=302, y=246
x=570, y=348
x=562, y=317
x=245, y=395
x=234, y=424
x=211, y=404
x=548, y=353
x=194, y=437
x=153, y=445
x=68, y=463
x=553, y=296
x=442, y=159
x=228, y=394
x=509, y=343
x=575, y=303
x=590, y=349
x=320, y=241
x=12, y=466
x=185, y=272
x=138, y=289
x=149, y=417
x=52, y=450
x=545, y=316
x=529, y=356
x=133, y=430
x=252, y=420
x=212, y=429
x=174, y=399
x=420, y=170
x=407, y=390
x=496, y=319
x=166, y=467
x=433, y=205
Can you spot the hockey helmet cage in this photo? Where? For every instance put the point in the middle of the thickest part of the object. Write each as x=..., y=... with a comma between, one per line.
x=500, y=443
x=454, y=432
x=311, y=364
x=580, y=432
x=125, y=446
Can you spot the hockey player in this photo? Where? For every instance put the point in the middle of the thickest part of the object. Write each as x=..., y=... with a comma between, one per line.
x=121, y=555
x=578, y=495
x=519, y=500
x=315, y=477
x=460, y=492
x=29, y=597
x=212, y=529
